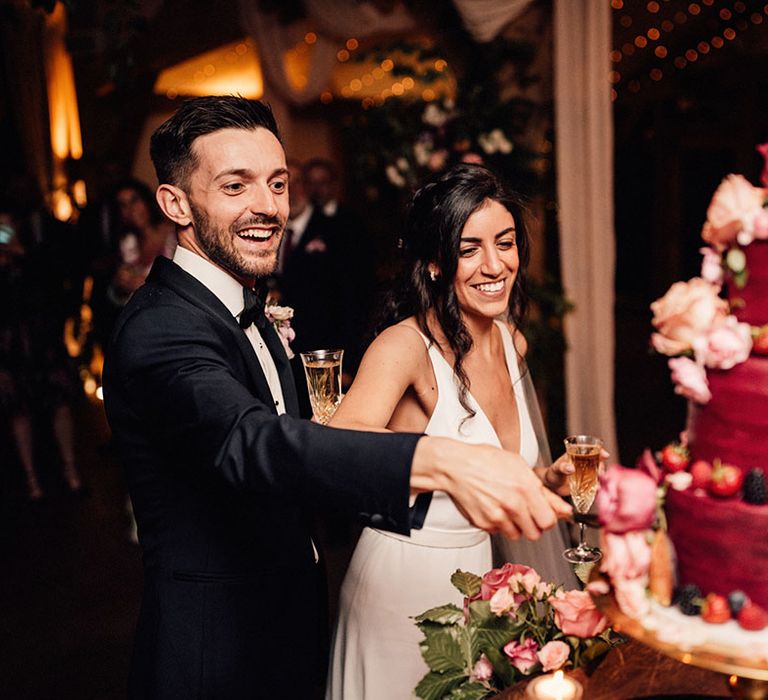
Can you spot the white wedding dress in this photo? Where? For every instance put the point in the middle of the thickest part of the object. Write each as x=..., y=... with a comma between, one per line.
x=392, y=578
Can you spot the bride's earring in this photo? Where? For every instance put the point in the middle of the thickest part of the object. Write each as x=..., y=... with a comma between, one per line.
x=433, y=275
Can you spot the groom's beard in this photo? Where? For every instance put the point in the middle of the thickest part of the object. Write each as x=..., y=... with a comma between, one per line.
x=218, y=243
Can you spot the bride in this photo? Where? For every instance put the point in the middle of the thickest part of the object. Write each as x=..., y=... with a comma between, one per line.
x=449, y=363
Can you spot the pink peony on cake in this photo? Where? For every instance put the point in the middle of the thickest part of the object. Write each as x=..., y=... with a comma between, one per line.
x=706, y=553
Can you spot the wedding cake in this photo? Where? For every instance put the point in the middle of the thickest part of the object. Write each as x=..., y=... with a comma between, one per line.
x=706, y=552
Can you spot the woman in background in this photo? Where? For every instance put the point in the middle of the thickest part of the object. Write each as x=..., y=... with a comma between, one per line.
x=450, y=362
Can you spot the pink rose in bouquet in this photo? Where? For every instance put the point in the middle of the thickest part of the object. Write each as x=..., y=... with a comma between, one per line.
x=576, y=614
x=728, y=344
x=483, y=669
x=690, y=379
x=499, y=578
x=732, y=211
x=684, y=314
x=504, y=601
x=625, y=556
x=522, y=656
x=626, y=499
x=553, y=655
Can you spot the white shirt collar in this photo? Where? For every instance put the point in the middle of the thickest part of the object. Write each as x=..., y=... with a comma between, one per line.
x=226, y=288
x=299, y=223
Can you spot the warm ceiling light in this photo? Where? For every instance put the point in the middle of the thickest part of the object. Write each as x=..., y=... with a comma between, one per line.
x=614, y=76
x=660, y=51
x=667, y=26
x=725, y=14
x=232, y=69
x=756, y=18
x=310, y=38
x=625, y=21
x=691, y=55
x=342, y=55
x=717, y=42
x=628, y=49
x=694, y=9
x=352, y=44
x=640, y=41
x=703, y=47
x=616, y=56
x=680, y=62
x=656, y=74
x=739, y=6
x=729, y=34
x=653, y=34
x=653, y=7
x=617, y=4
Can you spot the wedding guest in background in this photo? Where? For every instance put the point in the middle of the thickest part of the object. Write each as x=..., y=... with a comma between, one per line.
x=450, y=361
x=353, y=259
x=222, y=474
x=37, y=378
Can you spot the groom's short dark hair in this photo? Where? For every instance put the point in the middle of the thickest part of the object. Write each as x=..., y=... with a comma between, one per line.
x=171, y=145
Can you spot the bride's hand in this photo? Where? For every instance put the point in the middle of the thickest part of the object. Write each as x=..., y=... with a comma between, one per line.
x=555, y=477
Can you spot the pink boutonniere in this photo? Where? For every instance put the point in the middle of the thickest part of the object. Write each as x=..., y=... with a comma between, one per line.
x=280, y=318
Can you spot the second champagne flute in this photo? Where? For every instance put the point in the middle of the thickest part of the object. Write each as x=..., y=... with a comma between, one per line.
x=584, y=453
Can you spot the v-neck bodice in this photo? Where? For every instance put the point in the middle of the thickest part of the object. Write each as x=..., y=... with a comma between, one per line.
x=448, y=420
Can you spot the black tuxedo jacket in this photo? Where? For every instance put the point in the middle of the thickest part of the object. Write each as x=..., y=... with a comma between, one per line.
x=220, y=487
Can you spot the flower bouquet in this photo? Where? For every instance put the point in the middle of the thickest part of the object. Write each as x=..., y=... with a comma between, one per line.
x=513, y=626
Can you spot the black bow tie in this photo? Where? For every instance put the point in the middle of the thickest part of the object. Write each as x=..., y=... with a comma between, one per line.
x=253, y=311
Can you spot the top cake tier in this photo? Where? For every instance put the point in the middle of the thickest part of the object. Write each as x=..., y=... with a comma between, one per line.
x=750, y=304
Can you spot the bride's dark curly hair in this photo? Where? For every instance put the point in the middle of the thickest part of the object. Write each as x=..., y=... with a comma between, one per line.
x=436, y=217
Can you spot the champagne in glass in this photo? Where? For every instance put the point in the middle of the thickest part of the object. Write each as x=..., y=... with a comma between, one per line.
x=584, y=453
x=322, y=369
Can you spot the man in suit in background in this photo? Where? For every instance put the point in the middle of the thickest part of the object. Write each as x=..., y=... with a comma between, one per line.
x=221, y=473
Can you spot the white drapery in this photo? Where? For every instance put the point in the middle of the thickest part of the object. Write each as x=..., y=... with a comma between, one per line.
x=331, y=20
x=584, y=158
x=484, y=19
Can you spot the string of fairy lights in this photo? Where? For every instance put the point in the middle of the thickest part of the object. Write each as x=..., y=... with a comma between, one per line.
x=656, y=33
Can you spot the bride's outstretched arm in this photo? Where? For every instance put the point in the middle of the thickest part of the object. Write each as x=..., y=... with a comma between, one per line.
x=393, y=363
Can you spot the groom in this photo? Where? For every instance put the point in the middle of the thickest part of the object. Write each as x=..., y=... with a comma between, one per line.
x=201, y=400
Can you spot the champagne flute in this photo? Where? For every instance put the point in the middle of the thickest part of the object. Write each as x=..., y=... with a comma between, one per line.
x=584, y=453
x=322, y=369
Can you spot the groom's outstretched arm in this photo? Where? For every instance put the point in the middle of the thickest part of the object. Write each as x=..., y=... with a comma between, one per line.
x=495, y=489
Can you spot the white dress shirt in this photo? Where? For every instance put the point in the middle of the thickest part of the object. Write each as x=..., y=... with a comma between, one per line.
x=230, y=293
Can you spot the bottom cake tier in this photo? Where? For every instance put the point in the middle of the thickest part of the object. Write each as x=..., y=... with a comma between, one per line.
x=721, y=545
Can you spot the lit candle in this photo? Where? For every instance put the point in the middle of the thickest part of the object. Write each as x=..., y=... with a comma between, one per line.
x=554, y=687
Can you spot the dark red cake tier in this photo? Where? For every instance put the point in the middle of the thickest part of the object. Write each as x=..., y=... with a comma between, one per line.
x=750, y=304
x=721, y=544
x=733, y=426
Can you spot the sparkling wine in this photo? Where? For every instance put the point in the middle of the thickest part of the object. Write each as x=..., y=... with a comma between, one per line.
x=324, y=382
x=583, y=482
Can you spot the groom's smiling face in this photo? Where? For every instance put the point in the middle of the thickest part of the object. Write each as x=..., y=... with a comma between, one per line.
x=238, y=194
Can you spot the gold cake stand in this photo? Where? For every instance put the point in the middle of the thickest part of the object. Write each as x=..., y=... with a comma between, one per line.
x=745, y=677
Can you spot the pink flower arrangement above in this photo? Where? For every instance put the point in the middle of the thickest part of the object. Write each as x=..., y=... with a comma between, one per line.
x=495, y=579
x=626, y=499
x=732, y=212
x=684, y=315
x=576, y=614
x=690, y=379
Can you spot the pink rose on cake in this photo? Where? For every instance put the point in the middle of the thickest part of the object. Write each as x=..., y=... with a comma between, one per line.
x=626, y=499
x=727, y=344
x=626, y=556
x=684, y=314
x=576, y=614
x=732, y=212
x=690, y=379
x=711, y=266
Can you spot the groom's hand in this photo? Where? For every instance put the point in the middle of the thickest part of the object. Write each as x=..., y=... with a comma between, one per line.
x=496, y=490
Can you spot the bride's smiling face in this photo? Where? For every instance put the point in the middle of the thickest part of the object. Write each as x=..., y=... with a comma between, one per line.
x=487, y=261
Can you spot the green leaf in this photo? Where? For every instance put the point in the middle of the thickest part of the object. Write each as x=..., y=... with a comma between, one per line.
x=467, y=582
x=480, y=612
x=448, y=614
x=501, y=666
x=435, y=686
x=441, y=649
x=470, y=691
